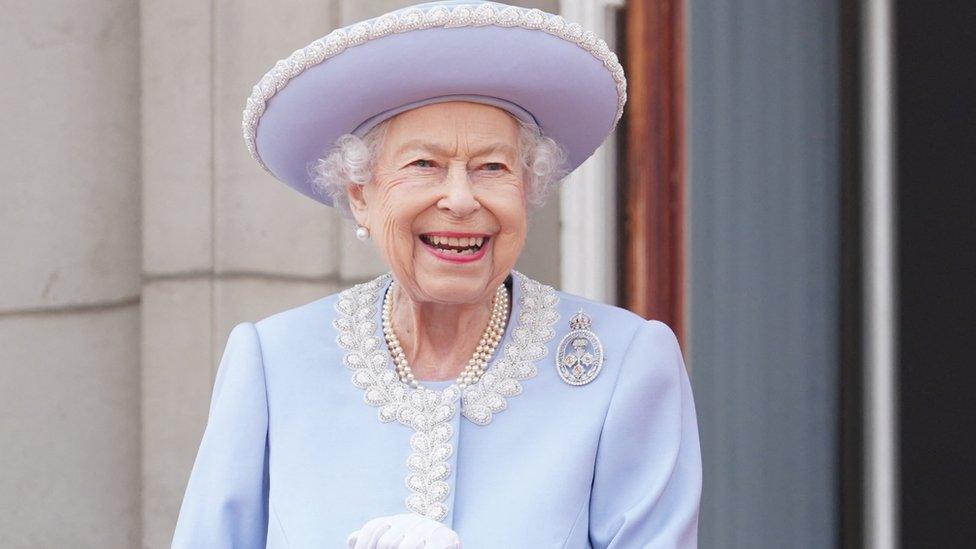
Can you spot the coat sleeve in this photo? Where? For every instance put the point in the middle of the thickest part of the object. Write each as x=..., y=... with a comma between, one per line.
x=225, y=504
x=647, y=479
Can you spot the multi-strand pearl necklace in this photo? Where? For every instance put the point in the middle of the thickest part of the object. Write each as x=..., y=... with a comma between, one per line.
x=479, y=360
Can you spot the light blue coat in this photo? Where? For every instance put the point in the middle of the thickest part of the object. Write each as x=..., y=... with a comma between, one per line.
x=311, y=434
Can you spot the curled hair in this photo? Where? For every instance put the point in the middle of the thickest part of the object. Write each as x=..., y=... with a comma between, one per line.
x=351, y=160
x=543, y=163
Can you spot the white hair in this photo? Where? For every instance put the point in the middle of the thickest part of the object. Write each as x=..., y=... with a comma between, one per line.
x=351, y=161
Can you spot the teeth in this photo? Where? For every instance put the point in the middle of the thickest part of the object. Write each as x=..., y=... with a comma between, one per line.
x=464, y=242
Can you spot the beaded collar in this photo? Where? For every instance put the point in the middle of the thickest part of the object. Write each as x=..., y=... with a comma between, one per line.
x=428, y=411
x=533, y=313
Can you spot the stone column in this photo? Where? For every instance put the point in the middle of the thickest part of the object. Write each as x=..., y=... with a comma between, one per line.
x=177, y=175
x=69, y=297
x=273, y=247
x=224, y=242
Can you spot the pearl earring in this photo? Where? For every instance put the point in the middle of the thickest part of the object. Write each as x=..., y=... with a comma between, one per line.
x=362, y=233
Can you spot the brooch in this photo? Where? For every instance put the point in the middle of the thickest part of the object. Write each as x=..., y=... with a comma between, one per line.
x=579, y=356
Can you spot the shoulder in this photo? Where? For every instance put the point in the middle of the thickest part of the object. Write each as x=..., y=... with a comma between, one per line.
x=315, y=319
x=611, y=314
x=295, y=343
x=301, y=338
x=306, y=320
x=640, y=352
x=625, y=327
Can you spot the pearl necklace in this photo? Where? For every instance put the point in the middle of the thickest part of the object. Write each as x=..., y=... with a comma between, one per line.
x=479, y=360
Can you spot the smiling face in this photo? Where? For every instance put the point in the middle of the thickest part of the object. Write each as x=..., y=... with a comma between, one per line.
x=446, y=206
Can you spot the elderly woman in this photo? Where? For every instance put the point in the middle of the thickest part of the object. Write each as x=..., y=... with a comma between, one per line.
x=452, y=400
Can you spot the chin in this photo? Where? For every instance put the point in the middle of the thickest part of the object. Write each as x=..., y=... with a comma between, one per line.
x=466, y=287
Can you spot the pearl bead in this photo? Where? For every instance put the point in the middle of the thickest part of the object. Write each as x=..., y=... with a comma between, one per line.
x=475, y=367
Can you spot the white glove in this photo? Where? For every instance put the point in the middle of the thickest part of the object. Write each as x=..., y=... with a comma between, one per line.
x=404, y=531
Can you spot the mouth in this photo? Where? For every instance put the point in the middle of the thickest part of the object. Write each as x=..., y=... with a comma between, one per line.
x=457, y=247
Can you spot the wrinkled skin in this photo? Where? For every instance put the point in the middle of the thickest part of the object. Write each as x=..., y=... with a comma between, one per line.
x=444, y=167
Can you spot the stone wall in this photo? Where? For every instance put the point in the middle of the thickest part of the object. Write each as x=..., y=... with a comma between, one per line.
x=69, y=274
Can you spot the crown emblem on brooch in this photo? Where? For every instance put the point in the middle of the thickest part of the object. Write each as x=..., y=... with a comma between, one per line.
x=580, y=321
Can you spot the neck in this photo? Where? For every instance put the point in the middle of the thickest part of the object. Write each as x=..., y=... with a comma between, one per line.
x=438, y=339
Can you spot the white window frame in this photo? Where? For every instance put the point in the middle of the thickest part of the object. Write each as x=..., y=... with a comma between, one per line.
x=587, y=200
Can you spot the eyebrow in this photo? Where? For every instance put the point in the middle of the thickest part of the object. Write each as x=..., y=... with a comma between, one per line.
x=426, y=146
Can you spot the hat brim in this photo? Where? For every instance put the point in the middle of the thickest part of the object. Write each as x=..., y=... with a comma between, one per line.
x=567, y=90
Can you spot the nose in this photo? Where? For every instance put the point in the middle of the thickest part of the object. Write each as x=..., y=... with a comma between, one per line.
x=458, y=197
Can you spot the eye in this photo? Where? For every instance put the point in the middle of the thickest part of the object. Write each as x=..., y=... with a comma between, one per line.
x=494, y=167
x=423, y=163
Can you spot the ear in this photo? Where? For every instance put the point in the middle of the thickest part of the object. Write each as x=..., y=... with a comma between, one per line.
x=357, y=202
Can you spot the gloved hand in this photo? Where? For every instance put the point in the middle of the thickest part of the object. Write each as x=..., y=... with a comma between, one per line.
x=404, y=531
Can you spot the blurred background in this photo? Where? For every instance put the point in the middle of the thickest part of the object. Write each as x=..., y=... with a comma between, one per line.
x=791, y=189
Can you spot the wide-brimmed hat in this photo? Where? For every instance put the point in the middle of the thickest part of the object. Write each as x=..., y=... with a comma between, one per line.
x=530, y=63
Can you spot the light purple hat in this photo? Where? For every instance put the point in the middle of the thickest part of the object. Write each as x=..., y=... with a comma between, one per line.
x=528, y=62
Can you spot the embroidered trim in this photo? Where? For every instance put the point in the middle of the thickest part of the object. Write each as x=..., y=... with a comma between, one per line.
x=427, y=411
x=340, y=39
x=533, y=330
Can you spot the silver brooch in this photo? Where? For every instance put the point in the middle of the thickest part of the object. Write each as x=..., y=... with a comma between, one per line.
x=579, y=356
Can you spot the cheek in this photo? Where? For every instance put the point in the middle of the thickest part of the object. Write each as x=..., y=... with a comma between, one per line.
x=509, y=208
x=509, y=205
x=397, y=207
x=512, y=218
